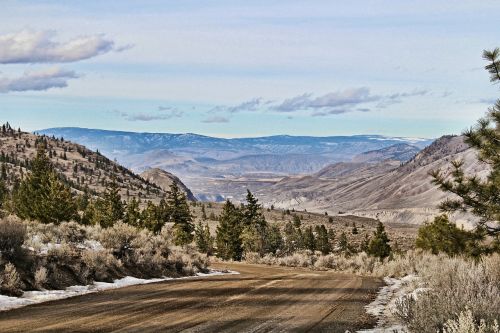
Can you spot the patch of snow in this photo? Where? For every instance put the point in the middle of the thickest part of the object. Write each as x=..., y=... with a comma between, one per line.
x=383, y=306
x=34, y=297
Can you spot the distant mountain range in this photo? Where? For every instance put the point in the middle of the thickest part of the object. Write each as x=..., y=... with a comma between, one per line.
x=218, y=168
x=198, y=154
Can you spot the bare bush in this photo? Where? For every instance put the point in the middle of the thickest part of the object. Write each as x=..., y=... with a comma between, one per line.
x=452, y=286
x=119, y=239
x=12, y=236
x=40, y=277
x=11, y=283
x=99, y=263
x=465, y=323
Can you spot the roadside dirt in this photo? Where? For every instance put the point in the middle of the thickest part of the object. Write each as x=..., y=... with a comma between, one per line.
x=259, y=299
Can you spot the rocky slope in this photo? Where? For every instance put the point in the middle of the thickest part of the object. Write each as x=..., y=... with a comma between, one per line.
x=165, y=179
x=81, y=168
x=386, y=191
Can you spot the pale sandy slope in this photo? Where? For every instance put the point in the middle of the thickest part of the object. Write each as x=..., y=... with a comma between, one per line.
x=386, y=191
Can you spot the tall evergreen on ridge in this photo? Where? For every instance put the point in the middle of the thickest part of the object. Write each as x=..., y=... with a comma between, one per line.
x=42, y=196
x=228, y=234
x=180, y=215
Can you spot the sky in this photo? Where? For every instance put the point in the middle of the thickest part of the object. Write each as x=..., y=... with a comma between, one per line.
x=248, y=68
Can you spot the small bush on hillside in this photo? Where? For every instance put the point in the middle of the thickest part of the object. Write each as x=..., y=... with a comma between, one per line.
x=12, y=236
x=40, y=277
x=11, y=282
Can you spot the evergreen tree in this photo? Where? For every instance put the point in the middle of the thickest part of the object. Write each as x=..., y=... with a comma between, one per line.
x=443, y=236
x=109, y=209
x=322, y=240
x=4, y=192
x=42, y=196
x=479, y=196
x=379, y=244
x=255, y=226
x=203, y=212
x=274, y=239
x=343, y=243
x=180, y=215
x=151, y=219
x=203, y=239
x=228, y=234
x=293, y=238
x=252, y=213
x=309, y=240
x=133, y=213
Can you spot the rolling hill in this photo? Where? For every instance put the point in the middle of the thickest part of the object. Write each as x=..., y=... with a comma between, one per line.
x=81, y=168
x=384, y=190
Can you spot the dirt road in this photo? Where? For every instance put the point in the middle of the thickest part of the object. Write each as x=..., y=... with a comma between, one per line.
x=260, y=299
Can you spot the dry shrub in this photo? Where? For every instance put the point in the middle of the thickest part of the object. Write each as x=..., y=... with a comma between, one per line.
x=453, y=286
x=119, y=239
x=11, y=282
x=99, y=263
x=12, y=236
x=150, y=253
x=465, y=323
x=40, y=277
x=188, y=261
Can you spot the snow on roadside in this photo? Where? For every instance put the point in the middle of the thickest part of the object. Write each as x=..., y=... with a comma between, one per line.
x=34, y=297
x=383, y=306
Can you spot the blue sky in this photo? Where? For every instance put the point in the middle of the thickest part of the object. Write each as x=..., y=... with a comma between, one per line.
x=247, y=68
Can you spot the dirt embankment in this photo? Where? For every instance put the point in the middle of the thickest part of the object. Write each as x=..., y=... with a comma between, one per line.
x=260, y=299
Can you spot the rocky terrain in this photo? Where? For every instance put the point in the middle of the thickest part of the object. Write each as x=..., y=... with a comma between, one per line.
x=81, y=168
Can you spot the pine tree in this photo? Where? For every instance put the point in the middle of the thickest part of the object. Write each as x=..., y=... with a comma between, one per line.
x=109, y=209
x=180, y=215
x=42, y=196
x=443, y=236
x=274, y=239
x=203, y=239
x=228, y=234
x=151, y=219
x=4, y=192
x=133, y=213
x=309, y=240
x=322, y=240
x=203, y=212
x=479, y=196
x=255, y=226
x=379, y=244
x=343, y=243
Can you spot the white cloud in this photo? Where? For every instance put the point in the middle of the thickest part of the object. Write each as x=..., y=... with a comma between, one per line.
x=29, y=46
x=54, y=77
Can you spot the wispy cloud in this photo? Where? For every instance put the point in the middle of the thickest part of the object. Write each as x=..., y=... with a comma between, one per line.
x=54, y=77
x=29, y=46
x=251, y=105
x=336, y=102
x=163, y=113
x=215, y=119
